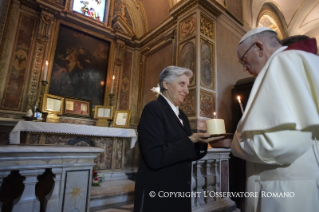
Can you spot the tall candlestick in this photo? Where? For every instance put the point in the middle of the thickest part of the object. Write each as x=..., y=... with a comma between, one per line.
x=241, y=106
x=45, y=70
x=112, y=83
x=215, y=115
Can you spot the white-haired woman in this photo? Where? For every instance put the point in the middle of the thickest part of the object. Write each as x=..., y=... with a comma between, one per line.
x=167, y=147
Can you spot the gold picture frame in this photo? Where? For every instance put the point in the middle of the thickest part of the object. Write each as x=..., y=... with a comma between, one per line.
x=52, y=104
x=77, y=107
x=103, y=112
x=121, y=118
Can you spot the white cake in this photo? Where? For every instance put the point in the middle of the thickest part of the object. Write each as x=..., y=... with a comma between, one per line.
x=215, y=126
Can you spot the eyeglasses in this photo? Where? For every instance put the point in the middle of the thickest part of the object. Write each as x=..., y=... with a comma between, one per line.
x=241, y=58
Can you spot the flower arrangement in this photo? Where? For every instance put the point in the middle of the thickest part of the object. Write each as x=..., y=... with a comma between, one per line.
x=97, y=178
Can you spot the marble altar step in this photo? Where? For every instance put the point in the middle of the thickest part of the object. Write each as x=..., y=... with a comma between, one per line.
x=111, y=192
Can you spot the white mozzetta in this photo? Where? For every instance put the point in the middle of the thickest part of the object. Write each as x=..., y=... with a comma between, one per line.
x=215, y=126
x=43, y=127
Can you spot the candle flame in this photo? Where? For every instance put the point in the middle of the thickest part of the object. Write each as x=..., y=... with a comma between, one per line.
x=113, y=77
x=238, y=97
x=46, y=63
x=214, y=113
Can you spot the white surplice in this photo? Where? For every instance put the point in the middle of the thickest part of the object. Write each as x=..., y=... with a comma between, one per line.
x=278, y=134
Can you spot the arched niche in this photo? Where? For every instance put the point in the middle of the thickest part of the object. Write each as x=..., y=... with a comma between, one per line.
x=271, y=17
x=137, y=14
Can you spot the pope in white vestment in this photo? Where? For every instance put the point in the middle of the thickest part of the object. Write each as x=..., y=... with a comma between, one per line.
x=278, y=134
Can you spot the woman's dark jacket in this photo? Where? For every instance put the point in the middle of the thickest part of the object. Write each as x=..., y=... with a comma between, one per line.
x=166, y=159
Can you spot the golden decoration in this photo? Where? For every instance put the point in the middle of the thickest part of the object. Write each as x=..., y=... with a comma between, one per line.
x=187, y=27
x=75, y=193
x=207, y=27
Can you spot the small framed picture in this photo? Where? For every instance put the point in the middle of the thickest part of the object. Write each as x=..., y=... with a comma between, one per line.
x=121, y=118
x=103, y=112
x=52, y=104
x=77, y=107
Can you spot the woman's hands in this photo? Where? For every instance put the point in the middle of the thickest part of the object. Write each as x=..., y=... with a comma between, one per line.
x=205, y=138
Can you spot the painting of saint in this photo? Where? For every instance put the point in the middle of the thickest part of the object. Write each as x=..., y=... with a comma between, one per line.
x=188, y=58
x=206, y=65
x=79, y=66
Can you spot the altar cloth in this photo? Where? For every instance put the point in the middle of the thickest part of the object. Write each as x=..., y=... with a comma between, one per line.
x=72, y=129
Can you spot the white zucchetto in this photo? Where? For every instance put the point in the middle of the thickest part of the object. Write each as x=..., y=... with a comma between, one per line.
x=255, y=31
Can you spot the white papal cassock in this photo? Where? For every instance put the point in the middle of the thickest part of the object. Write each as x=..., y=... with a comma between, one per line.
x=278, y=134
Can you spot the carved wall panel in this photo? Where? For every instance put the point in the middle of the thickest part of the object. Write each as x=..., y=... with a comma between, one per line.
x=207, y=103
x=189, y=104
x=19, y=67
x=207, y=27
x=125, y=87
x=207, y=64
x=187, y=27
x=187, y=59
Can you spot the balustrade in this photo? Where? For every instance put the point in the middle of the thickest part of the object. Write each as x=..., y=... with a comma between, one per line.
x=46, y=178
x=210, y=177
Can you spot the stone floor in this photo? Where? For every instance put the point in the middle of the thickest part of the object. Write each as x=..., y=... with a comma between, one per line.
x=113, y=191
x=119, y=207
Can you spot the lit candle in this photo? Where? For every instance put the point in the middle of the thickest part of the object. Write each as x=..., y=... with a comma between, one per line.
x=112, y=84
x=241, y=106
x=45, y=70
x=214, y=115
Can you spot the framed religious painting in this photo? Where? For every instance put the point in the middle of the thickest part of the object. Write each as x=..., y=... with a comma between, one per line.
x=52, y=104
x=79, y=66
x=76, y=107
x=121, y=118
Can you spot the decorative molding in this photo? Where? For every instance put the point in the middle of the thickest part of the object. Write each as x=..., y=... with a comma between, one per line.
x=119, y=51
x=125, y=85
x=207, y=27
x=54, y=3
x=119, y=24
x=187, y=27
x=139, y=6
x=207, y=103
x=189, y=104
x=45, y=26
x=32, y=96
x=110, y=13
x=268, y=11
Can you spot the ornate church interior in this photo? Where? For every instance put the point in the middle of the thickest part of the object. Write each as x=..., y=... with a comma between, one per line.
x=75, y=76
